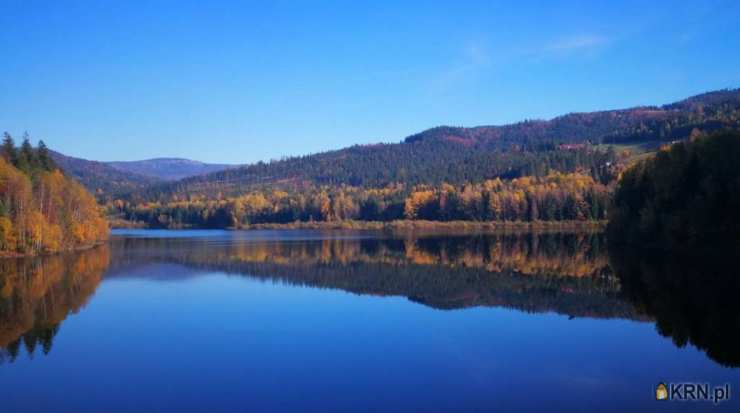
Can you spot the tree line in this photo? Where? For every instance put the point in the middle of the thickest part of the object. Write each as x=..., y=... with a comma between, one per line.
x=41, y=210
x=554, y=197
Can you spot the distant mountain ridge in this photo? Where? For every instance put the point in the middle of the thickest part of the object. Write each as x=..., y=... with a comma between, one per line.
x=108, y=178
x=168, y=169
x=101, y=178
x=708, y=111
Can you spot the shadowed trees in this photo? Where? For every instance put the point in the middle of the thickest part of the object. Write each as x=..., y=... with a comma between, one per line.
x=687, y=196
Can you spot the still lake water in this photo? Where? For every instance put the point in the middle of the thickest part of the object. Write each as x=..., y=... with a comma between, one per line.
x=273, y=321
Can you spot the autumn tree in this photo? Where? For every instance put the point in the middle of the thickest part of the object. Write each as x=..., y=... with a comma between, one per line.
x=41, y=210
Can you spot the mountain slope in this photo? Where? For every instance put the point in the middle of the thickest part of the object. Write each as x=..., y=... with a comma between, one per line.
x=458, y=155
x=168, y=169
x=100, y=178
x=109, y=179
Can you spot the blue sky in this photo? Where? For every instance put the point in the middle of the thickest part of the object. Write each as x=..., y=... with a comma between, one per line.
x=245, y=81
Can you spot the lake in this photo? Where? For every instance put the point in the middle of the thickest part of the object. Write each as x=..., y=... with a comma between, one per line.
x=270, y=321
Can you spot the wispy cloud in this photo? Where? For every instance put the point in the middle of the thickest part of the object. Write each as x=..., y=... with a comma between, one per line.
x=476, y=54
x=474, y=57
x=575, y=43
x=478, y=58
x=567, y=46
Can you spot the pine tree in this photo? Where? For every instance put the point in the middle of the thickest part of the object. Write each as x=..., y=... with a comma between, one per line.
x=42, y=153
x=26, y=157
x=9, y=152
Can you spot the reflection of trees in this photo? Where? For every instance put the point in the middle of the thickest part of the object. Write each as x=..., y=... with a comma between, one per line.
x=570, y=255
x=566, y=273
x=693, y=297
x=37, y=294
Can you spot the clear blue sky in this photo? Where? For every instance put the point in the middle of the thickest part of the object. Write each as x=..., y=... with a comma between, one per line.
x=240, y=81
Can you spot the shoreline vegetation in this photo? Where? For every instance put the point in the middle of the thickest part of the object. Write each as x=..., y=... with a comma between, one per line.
x=525, y=201
x=448, y=227
x=410, y=226
x=80, y=248
x=42, y=211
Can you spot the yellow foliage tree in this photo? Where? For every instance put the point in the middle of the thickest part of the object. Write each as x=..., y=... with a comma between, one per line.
x=46, y=212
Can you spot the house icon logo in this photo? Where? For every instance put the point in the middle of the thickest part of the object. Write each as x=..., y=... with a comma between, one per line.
x=661, y=392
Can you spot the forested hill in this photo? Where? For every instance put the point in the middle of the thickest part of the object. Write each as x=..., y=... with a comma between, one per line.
x=457, y=155
x=706, y=112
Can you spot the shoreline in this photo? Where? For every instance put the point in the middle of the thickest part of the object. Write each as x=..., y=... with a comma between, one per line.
x=415, y=226
x=446, y=226
x=6, y=254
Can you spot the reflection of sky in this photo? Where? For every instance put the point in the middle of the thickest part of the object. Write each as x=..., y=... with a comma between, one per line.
x=158, y=271
x=224, y=343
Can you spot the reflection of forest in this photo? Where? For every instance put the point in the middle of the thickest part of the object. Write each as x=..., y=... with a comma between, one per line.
x=565, y=273
x=692, y=296
x=37, y=294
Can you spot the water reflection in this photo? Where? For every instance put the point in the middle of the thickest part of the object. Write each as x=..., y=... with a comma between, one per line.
x=565, y=273
x=693, y=297
x=37, y=294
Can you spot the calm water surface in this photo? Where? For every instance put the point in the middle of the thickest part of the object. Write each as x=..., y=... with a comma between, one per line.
x=339, y=321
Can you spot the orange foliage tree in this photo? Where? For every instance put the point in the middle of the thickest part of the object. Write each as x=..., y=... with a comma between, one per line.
x=43, y=211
